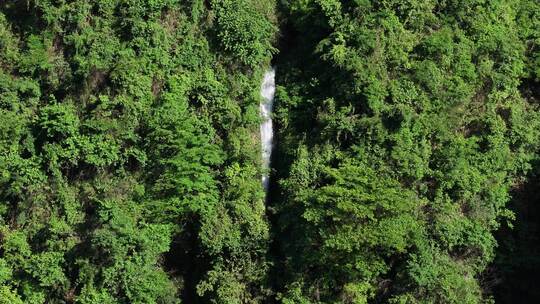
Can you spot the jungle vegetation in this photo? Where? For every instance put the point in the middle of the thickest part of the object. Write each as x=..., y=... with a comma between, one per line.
x=406, y=167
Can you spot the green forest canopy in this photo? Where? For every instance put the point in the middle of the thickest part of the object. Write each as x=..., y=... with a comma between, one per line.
x=130, y=154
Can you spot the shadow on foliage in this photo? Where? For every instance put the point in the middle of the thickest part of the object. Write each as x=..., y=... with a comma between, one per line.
x=518, y=257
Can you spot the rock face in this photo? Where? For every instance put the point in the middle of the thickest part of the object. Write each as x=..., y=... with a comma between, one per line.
x=268, y=89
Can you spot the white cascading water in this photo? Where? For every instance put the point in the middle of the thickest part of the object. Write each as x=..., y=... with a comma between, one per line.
x=268, y=89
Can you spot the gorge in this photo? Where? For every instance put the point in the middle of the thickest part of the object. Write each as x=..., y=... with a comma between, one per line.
x=150, y=154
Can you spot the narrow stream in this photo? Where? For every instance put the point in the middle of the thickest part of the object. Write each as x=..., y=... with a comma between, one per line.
x=268, y=89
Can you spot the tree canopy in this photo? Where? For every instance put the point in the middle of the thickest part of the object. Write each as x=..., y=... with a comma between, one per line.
x=407, y=139
x=403, y=126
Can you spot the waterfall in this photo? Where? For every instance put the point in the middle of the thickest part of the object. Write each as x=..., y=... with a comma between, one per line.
x=268, y=89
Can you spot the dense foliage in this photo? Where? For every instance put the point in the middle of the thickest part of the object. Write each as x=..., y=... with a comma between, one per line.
x=130, y=170
x=124, y=137
x=402, y=129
